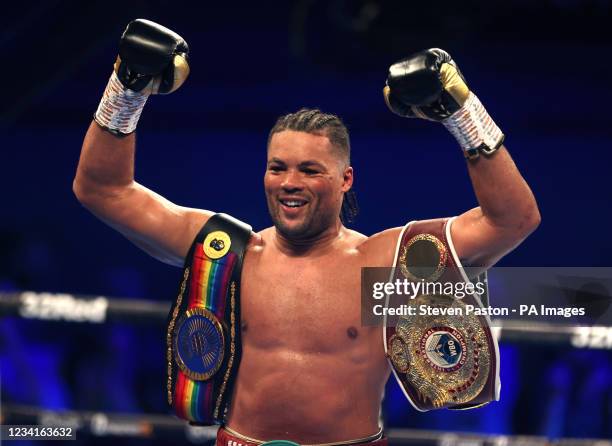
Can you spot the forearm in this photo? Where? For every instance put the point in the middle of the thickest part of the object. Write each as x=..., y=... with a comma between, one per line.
x=106, y=164
x=505, y=199
x=104, y=181
x=429, y=85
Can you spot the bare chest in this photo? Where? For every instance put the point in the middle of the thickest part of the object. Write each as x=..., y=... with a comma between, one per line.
x=301, y=304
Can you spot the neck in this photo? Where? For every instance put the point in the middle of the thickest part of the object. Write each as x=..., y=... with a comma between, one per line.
x=305, y=245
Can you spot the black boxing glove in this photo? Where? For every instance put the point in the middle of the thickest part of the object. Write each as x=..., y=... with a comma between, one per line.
x=152, y=60
x=429, y=85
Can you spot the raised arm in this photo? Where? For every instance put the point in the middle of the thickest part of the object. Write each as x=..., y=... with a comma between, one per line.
x=152, y=60
x=429, y=85
x=507, y=214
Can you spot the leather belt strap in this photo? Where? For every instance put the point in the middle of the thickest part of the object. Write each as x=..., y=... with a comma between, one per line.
x=203, y=335
x=448, y=359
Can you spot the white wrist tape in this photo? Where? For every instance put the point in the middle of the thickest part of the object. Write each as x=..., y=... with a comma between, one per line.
x=120, y=107
x=474, y=129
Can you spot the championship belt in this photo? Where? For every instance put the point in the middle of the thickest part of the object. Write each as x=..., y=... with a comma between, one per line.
x=440, y=360
x=203, y=335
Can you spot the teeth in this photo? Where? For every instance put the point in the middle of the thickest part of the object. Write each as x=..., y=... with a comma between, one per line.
x=293, y=204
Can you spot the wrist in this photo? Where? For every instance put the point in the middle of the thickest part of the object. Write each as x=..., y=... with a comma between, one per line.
x=120, y=108
x=474, y=129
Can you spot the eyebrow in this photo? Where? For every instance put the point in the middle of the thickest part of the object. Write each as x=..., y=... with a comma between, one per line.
x=276, y=160
x=312, y=163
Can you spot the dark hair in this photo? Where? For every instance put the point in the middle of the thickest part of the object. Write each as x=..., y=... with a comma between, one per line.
x=314, y=121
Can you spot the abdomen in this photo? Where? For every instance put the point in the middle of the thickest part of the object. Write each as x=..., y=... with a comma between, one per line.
x=308, y=396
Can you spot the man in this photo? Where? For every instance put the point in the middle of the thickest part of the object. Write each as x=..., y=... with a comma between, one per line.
x=306, y=374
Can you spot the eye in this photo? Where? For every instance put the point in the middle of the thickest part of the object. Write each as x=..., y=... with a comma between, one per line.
x=310, y=171
x=275, y=168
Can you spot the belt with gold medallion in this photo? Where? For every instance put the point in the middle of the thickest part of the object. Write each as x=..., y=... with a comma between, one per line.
x=203, y=332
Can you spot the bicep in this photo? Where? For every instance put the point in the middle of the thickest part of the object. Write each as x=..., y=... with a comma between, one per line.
x=161, y=228
x=478, y=242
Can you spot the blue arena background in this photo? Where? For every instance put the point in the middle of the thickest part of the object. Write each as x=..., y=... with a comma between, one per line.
x=542, y=69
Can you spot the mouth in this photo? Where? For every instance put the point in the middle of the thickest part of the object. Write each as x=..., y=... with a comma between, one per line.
x=293, y=202
x=292, y=205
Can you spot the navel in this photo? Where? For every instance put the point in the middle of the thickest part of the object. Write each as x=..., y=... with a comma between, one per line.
x=244, y=326
x=352, y=332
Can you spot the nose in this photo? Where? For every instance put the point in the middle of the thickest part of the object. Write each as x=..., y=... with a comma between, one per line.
x=291, y=181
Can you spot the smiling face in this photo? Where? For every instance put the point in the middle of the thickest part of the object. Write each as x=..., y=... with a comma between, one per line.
x=305, y=181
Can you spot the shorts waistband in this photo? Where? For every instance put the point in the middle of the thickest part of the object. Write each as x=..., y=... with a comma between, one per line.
x=229, y=437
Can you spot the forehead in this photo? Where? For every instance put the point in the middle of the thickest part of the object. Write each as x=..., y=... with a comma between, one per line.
x=291, y=145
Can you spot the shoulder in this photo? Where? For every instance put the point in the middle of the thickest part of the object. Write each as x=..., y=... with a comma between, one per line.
x=352, y=238
x=259, y=239
x=379, y=249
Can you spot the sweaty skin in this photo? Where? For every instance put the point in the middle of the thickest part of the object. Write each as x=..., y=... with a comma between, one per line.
x=310, y=372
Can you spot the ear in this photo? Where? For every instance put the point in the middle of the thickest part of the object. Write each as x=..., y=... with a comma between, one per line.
x=347, y=179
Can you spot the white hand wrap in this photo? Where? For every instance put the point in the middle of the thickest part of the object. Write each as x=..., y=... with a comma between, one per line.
x=474, y=129
x=120, y=107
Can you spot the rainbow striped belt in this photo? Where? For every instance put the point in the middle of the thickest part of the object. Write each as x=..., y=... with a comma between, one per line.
x=203, y=335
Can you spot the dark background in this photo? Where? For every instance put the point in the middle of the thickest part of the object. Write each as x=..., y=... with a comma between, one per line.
x=542, y=69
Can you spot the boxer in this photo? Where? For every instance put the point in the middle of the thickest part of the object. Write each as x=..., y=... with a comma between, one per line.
x=307, y=374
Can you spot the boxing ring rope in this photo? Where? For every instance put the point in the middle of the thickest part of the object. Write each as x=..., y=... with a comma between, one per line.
x=70, y=308
x=63, y=307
